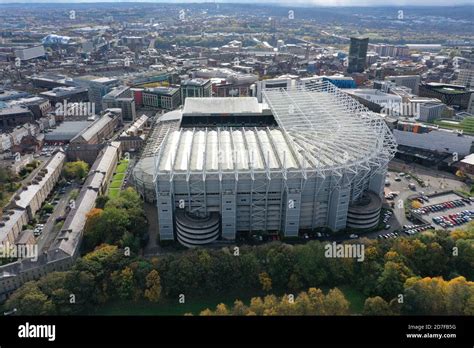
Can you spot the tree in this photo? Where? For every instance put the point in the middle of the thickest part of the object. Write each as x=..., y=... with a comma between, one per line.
x=101, y=201
x=436, y=296
x=153, y=284
x=48, y=208
x=280, y=261
x=239, y=308
x=311, y=263
x=124, y=283
x=390, y=282
x=376, y=306
x=265, y=281
x=75, y=170
x=93, y=235
x=464, y=261
x=336, y=303
x=221, y=309
x=28, y=300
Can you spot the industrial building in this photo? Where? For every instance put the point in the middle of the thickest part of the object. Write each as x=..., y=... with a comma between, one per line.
x=302, y=159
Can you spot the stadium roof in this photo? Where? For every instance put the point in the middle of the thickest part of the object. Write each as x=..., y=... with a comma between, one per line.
x=209, y=106
x=321, y=130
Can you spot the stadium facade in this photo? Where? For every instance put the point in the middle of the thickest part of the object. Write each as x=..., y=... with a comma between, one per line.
x=307, y=157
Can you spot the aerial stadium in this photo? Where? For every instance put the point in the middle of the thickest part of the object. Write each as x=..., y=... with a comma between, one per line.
x=308, y=156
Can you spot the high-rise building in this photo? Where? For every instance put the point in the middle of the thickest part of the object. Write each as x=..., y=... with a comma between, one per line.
x=97, y=88
x=357, y=54
x=121, y=97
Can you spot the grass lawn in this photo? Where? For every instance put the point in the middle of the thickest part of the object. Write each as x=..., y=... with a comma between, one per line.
x=118, y=176
x=467, y=124
x=196, y=305
x=167, y=307
x=116, y=184
x=117, y=180
x=122, y=166
x=355, y=297
x=113, y=192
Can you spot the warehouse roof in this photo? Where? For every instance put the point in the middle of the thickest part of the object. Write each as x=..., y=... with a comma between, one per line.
x=67, y=130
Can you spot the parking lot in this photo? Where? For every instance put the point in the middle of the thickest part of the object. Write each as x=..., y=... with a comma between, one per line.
x=435, y=182
x=447, y=211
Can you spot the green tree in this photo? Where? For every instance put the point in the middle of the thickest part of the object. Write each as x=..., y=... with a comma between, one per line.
x=75, y=170
x=265, y=281
x=376, y=306
x=336, y=303
x=28, y=300
x=124, y=283
x=390, y=282
x=153, y=284
x=48, y=208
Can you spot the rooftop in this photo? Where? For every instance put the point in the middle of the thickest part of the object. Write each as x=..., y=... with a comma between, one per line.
x=209, y=106
x=197, y=82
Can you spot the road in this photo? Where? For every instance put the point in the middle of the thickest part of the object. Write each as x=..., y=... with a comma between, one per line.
x=49, y=233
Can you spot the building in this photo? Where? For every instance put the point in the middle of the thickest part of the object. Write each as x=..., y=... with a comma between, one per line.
x=97, y=88
x=12, y=116
x=168, y=98
x=429, y=145
x=27, y=202
x=66, y=94
x=30, y=53
x=40, y=107
x=87, y=145
x=470, y=106
x=65, y=248
x=260, y=86
x=410, y=81
x=466, y=77
x=66, y=131
x=11, y=94
x=132, y=138
x=357, y=55
x=467, y=165
x=451, y=95
x=50, y=81
x=318, y=157
x=122, y=98
x=378, y=101
x=200, y=88
x=431, y=111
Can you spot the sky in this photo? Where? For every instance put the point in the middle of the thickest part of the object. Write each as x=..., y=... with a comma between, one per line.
x=283, y=2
